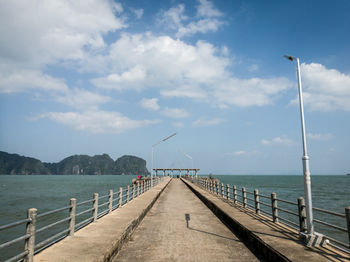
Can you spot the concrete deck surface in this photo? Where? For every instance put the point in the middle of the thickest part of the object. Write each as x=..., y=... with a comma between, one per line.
x=281, y=239
x=100, y=240
x=163, y=234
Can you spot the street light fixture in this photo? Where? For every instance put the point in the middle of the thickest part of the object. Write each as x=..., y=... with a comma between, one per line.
x=165, y=139
x=306, y=168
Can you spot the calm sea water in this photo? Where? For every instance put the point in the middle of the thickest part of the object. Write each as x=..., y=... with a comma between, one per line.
x=18, y=193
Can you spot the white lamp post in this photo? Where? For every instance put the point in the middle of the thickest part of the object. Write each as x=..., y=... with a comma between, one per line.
x=306, y=168
x=153, y=153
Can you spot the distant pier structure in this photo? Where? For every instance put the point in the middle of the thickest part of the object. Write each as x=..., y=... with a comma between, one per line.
x=186, y=171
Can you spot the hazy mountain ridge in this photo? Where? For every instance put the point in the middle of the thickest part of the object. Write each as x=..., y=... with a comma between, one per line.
x=15, y=164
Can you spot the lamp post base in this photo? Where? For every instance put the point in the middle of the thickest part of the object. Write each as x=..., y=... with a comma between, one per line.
x=313, y=240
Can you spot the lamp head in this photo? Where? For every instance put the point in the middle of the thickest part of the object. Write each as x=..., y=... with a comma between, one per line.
x=291, y=58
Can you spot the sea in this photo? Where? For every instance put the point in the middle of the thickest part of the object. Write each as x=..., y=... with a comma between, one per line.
x=49, y=192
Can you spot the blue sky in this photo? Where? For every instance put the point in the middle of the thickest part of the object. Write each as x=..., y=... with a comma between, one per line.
x=93, y=77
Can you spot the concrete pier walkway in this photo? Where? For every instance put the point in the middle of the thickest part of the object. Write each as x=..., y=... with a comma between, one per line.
x=163, y=234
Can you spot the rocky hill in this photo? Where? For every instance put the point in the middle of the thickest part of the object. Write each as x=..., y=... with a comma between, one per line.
x=14, y=164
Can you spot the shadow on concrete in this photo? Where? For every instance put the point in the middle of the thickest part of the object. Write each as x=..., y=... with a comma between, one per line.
x=212, y=234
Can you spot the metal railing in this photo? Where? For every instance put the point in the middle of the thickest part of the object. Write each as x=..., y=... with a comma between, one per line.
x=93, y=209
x=272, y=207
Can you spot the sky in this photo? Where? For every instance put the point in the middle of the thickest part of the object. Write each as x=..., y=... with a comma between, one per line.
x=98, y=76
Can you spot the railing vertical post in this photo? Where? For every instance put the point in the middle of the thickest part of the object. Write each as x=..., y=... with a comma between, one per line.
x=138, y=189
x=234, y=194
x=95, y=203
x=244, y=196
x=110, y=201
x=257, y=202
x=133, y=191
x=227, y=191
x=127, y=193
x=210, y=186
x=30, y=229
x=274, y=207
x=347, y=214
x=72, y=211
x=222, y=190
x=120, y=196
x=302, y=214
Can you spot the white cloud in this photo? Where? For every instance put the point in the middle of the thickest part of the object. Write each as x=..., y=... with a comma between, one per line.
x=128, y=79
x=174, y=112
x=325, y=89
x=207, y=9
x=319, y=136
x=43, y=32
x=200, y=26
x=179, y=69
x=174, y=16
x=249, y=92
x=205, y=21
x=82, y=99
x=98, y=122
x=242, y=153
x=150, y=103
x=280, y=140
x=204, y=121
x=137, y=12
x=22, y=80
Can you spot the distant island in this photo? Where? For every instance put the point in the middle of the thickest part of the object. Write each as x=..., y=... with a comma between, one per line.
x=14, y=164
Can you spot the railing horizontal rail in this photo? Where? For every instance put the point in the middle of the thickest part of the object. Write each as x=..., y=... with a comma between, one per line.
x=287, y=211
x=264, y=196
x=85, y=202
x=102, y=197
x=78, y=226
x=250, y=199
x=250, y=206
x=19, y=222
x=286, y=201
x=99, y=215
x=53, y=224
x=265, y=204
x=328, y=212
x=17, y=257
x=289, y=222
x=339, y=242
x=266, y=213
x=330, y=225
x=85, y=211
x=103, y=204
x=53, y=211
x=50, y=239
x=9, y=243
x=250, y=193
